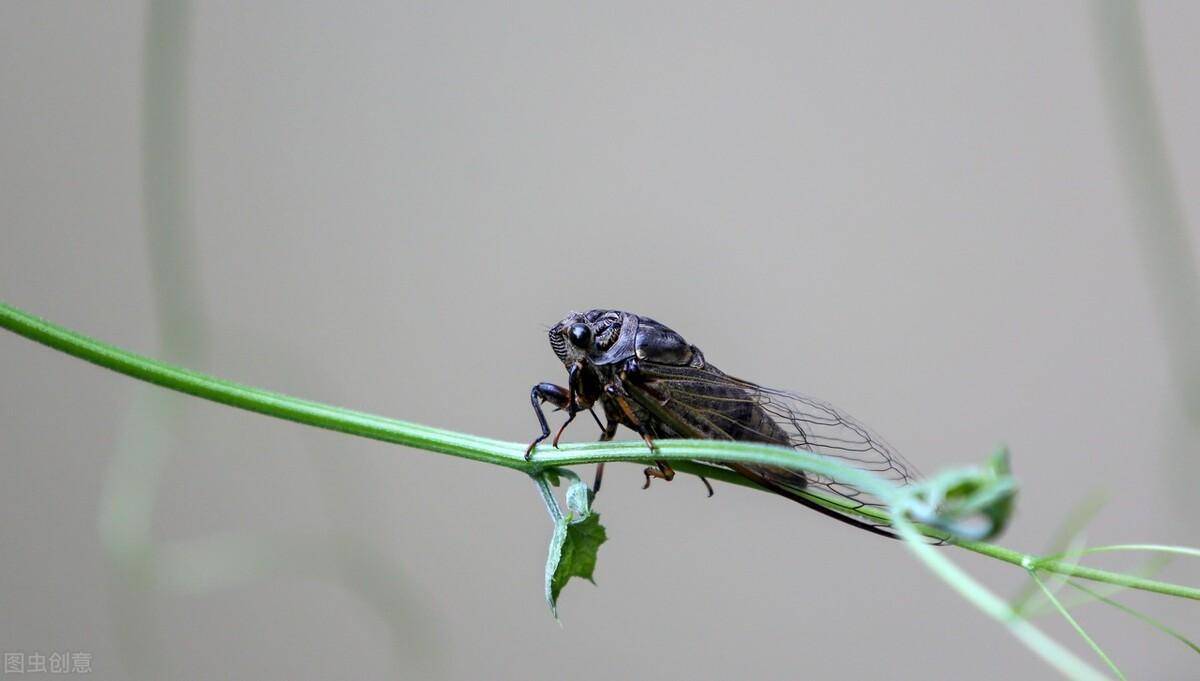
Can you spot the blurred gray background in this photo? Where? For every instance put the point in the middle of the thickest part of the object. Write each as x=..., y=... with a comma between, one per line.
x=916, y=211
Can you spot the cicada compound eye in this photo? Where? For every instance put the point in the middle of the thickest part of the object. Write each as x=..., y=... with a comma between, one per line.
x=580, y=335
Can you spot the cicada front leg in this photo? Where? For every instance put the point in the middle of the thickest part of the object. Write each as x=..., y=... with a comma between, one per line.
x=554, y=394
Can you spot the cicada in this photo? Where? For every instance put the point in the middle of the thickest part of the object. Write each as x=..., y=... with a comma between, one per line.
x=645, y=376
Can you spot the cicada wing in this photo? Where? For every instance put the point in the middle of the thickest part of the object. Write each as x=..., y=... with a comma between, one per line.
x=705, y=402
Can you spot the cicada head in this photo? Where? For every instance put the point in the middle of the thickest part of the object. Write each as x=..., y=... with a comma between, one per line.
x=592, y=335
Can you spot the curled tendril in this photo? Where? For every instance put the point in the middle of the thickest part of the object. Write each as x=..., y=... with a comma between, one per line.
x=973, y=503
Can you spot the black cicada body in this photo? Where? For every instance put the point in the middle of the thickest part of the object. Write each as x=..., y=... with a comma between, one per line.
x=645, y=376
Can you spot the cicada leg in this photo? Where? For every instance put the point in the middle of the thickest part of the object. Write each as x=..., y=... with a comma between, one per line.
x=630, y=371
x=554, y=394
x=574, y=377
x=618, y=395
x=661, y=470
x=607, y=432
x=570, y=418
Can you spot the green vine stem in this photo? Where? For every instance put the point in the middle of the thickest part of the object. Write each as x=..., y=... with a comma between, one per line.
x=684, y=454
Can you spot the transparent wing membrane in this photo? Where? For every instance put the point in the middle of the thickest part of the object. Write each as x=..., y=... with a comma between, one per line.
x=707, y=403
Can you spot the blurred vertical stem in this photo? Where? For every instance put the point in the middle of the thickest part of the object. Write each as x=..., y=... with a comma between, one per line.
x=169, y=222
x=153, y=423
x=1167, y=254
x=129, y=491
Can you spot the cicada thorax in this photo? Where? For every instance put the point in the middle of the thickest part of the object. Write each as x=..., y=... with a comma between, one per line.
x=664, y=365
x=659, y=344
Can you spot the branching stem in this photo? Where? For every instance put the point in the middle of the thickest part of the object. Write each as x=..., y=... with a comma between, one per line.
x=684, y=454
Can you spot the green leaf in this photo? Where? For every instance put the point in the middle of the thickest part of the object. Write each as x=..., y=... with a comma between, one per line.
x=577, y=535
x=576, y=557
